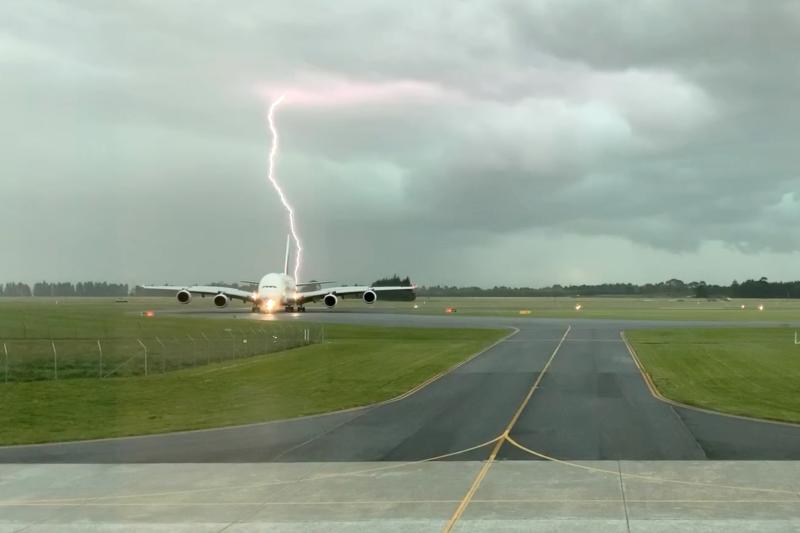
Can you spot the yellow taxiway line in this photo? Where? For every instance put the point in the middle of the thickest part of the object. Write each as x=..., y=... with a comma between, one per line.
x=462, y=506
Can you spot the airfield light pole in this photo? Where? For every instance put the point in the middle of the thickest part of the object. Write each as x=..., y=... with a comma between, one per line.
x=163, y=355
x=194, y=350
x=233, y=341
x=55, y=359
x=145, y=354
x=100, y=365
x=5, y=349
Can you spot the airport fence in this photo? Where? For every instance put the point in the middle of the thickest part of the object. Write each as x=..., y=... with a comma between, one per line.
x=69, y=358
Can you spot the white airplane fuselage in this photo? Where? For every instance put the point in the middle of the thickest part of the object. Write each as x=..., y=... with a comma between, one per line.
x=276, y=290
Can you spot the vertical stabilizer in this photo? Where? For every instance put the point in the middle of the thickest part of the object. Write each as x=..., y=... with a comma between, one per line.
x=286, y=260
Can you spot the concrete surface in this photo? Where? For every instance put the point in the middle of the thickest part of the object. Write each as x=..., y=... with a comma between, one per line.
x=639, y=496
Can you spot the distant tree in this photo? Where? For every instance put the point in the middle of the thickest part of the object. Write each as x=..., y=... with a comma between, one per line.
x=67, y=289
x=395, y=281
x=14, y=289
x=701, y=290
x=41, y=288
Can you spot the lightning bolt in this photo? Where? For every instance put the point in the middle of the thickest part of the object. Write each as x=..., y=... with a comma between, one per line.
x=273, y=152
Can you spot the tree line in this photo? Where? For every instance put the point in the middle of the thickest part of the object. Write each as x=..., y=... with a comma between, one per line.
x=64, y=289
x=673, y=288
x=392, y=281
x=395, y=281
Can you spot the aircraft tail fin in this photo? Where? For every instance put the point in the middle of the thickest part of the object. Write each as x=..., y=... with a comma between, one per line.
x=286, y=260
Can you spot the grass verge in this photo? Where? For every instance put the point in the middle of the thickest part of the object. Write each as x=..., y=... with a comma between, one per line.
x=356, y=366
x=747, y=371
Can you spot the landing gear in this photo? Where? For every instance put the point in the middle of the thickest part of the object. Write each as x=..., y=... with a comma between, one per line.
x=289, y=309
x=301, y=308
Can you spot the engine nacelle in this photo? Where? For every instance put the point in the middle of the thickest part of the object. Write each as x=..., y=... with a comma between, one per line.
x=369, y=296
x=220, y=300
x=184, y=296
x=330, y=300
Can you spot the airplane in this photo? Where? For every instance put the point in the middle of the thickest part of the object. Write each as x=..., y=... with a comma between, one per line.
x=277, y=290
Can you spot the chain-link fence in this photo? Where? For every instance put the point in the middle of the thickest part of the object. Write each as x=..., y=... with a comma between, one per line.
x=65, y=358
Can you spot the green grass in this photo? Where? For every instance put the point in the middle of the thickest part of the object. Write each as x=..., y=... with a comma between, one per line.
x=355, y=366
x=49, y=323
x=97, y=337
x=747, y=371
x=92, y=318
x=752, y=371
x=610, y=308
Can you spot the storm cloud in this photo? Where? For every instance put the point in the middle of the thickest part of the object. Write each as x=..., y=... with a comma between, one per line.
x=484, y=143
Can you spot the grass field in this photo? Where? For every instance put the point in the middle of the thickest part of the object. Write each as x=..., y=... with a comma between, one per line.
x=68, y=318
x=73, y=338
x=778, y=310
x=752, y=372
x=746, y=371
x=49, y=316
x=354, y=366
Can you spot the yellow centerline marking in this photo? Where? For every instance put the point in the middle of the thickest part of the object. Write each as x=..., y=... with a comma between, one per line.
x=462, y=506
x=228, y=488
x=652, y=479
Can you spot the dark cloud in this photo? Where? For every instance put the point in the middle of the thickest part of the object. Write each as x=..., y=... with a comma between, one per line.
x=658, y=136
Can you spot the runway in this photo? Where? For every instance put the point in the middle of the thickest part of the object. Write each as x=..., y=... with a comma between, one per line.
x=591, y=403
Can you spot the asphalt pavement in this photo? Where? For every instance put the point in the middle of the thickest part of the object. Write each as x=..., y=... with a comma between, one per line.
x=590, y=404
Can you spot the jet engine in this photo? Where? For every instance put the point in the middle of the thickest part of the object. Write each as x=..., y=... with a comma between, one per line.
x=220, y=300
x=369, y=296
x=330, y=300
x=184, y=296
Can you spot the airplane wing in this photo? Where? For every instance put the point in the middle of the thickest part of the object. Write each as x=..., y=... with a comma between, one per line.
x=344, y=292
x=204, y=290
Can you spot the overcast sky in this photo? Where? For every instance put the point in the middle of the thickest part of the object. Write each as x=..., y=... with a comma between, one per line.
x=497, y=142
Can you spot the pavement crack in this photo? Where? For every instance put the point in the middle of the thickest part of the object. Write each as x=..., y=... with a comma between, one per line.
x=322, y=434
x=624, y=500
